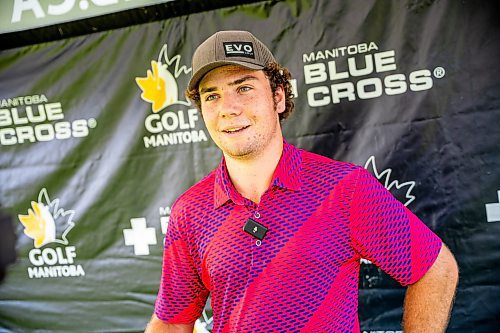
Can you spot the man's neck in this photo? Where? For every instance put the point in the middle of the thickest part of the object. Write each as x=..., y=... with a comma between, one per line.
x=252, y=177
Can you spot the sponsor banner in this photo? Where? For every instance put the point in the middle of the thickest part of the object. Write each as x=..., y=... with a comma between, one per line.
x=97, y=140
x=17, y=15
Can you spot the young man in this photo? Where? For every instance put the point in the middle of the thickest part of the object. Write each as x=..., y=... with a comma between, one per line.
x=275, y=234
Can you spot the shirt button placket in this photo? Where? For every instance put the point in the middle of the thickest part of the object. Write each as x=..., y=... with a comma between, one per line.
x=257, y=244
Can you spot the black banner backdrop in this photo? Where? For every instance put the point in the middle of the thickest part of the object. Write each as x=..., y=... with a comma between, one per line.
x=97, y=141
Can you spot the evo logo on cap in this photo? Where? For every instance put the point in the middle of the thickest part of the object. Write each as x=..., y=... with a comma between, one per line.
x=239, y=49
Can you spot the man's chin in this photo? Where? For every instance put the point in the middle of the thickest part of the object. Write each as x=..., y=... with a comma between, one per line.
x=240, y=153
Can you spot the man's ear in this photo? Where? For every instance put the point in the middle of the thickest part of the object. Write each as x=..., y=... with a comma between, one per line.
x=279, y=99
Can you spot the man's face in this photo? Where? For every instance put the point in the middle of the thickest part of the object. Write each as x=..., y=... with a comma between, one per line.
x=239, y=110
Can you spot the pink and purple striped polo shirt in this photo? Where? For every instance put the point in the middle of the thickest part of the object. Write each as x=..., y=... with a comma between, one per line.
x=322, y=216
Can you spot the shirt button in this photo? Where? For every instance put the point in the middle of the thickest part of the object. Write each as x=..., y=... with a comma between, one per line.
x=256, y=214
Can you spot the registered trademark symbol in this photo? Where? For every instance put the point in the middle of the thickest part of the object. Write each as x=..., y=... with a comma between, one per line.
x=439, y=72
x=92, y=123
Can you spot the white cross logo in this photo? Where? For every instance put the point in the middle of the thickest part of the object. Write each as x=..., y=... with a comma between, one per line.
x=140, y=236
x=493, y=211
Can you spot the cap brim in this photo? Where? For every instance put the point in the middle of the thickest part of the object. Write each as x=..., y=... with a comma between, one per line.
x=196, y=78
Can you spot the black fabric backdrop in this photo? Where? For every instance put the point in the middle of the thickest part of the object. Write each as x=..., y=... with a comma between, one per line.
x=98, y=140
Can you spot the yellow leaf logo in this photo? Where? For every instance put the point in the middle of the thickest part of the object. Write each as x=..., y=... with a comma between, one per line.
x=153, y=88
x=39, y=224
x=159, y=87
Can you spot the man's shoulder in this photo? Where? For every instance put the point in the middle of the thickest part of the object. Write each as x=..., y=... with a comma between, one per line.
x=319, y=164
x=197, y=194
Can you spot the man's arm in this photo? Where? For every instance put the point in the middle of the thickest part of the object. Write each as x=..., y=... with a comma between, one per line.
x=428, y=301
x=156, y=325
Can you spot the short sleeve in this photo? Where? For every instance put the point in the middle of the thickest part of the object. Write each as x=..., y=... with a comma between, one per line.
x=388, y=234
x=182, y=295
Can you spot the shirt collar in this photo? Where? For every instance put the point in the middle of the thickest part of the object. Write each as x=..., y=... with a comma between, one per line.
x=287, y=176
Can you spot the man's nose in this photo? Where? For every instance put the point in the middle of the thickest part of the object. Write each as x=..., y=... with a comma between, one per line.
x=230, y=106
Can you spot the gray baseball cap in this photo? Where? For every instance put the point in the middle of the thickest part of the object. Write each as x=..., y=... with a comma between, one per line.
x=228, y=48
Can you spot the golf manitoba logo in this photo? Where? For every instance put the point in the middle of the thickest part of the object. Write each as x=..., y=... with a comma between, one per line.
x=48, y=223
x=173, y=121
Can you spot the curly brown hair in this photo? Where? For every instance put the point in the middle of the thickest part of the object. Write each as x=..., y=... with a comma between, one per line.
x=277, y=75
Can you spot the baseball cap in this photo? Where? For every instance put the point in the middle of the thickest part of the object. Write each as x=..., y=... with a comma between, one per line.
x=228, y=48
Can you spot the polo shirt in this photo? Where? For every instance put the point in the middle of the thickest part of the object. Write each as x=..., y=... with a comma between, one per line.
x=322, y=216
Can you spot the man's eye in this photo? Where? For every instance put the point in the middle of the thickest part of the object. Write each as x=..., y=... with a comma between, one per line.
x=244, y=89
x=210, y=97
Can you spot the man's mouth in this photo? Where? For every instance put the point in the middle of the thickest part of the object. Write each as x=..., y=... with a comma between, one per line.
x=236, y=129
